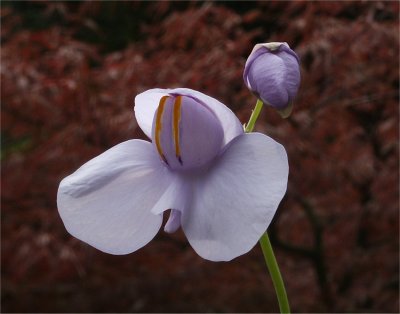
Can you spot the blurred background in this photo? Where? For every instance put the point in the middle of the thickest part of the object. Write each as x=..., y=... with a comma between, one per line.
x=69, y=74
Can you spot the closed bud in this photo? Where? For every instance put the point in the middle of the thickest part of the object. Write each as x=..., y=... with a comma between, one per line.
x=272, y=73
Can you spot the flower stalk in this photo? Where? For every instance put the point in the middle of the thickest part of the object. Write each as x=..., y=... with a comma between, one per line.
x=276, y=276
x=254, y=116
x=265, y=243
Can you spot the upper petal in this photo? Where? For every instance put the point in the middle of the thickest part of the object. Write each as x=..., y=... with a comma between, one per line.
x=146, y=105
x=234, y=202
x=147, y=102
x=186, y=133
x=107, y=202
x=230, y=123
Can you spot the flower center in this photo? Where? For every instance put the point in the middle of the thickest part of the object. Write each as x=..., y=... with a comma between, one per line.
x=186, y=133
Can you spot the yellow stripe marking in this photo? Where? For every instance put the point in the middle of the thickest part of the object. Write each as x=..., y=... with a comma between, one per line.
x=175, y=126
x=160, y=112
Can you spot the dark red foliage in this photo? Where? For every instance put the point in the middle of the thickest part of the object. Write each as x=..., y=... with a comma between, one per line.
x=69, y=75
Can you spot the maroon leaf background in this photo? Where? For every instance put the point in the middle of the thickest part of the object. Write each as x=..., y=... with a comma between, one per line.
x=70, y=71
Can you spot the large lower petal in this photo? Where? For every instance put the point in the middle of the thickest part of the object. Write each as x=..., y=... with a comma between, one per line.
x=147, y=102
x=107, y=202
x=234, y=202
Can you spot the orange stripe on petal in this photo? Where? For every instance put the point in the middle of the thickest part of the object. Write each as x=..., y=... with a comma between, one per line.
x=175, y=126
x=160, y=112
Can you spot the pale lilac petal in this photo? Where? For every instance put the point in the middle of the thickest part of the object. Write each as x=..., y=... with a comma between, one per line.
x=230, y=123
x=189, y=134
x=174, y=221
x=146, y=105
x=176, y=196
x=107, y=202
x=147, y=102
x=234, y=202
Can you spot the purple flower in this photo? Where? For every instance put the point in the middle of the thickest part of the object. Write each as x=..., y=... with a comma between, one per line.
x=272, y=73
x=223, y=186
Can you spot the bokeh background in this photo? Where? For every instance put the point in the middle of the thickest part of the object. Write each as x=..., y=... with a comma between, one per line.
x=69, y=74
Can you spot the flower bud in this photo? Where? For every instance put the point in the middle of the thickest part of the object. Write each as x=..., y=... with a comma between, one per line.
x=272, y=73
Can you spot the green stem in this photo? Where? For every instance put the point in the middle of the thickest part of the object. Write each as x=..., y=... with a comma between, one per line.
x=266, y=246
x=276, y=277
x=254, y=116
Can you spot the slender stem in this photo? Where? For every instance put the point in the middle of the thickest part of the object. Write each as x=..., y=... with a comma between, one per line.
x=276, y=277
x=254, y=116
x=266, y=246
